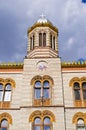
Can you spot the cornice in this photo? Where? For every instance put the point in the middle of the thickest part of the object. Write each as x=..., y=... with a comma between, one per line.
x=73, y=64
x=11, y=65
x=42, y=25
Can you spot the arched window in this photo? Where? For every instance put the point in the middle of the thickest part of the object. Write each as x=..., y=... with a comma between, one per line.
x=47, y=123
x=4, y=124
x=46, y=87
x=42, y=87
x=7, y=92
x=84, y=90
x=76, y=88
x=42, y=39
x=1, y=92
x=38, y=124
x=80, y=124
x=32, y=42
x=42, y=90
x=37, y=90
x=52, y=41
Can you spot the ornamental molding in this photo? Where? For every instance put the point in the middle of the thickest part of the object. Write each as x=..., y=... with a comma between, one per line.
x=42, y=115
x=6, y=81
x=78, y=80
x=79, y=115
x=42, y=79
x=6, y=116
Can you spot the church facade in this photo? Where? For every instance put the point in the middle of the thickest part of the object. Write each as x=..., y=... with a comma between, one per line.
x=43, y=93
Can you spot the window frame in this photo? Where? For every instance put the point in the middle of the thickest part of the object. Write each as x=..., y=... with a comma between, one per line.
x=42, y=124
x=4, y=126
x=42, y=39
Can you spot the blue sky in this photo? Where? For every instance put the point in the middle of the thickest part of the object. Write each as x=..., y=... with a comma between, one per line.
x=17, y=16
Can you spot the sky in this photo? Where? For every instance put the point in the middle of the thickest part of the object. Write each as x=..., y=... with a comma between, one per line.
x=69, y=16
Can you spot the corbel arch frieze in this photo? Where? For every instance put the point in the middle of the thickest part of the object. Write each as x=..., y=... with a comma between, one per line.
x=6, y=116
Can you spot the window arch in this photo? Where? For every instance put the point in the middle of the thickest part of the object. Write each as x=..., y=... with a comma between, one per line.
x=32, y=38
x=47, y=123
x=4, y=124
x=79, y=90
x=42, y=120
x=46, y=89
x=1, y=92
x=80, y=124
x=84, y=90
x=42, y=39
x=5, y=120
x=6, y=92
x=76, y=88
x=37, y=89
x=42, y=90
x=52, y=41
x=37, y=124
x=40, y=124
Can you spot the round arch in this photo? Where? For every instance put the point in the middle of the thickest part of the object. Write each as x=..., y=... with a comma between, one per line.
x=11, y=81
x=6, y=116
x=73, y=80
x=77, y=116
x=42, y=115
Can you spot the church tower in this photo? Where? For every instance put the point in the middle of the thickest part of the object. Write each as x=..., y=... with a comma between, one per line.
x=42, y=79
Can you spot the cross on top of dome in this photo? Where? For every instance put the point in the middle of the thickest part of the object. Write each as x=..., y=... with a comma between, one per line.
x=42, y=19
x=42, y=16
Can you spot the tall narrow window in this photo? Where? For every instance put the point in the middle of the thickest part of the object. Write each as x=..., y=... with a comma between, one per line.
x=51, y=40
x=7, y=93
x=84, y=90
x=4, y=124
x=37, y=89
x=1, y=92
x=46, y=86
x=77, y=91
x=40, y=124
x=54, y=43
x=44, y=39
x=37, y=124
x=30, y=43
x=81, y=125
x=40, y=39
x=33, y=41
x=47, y=123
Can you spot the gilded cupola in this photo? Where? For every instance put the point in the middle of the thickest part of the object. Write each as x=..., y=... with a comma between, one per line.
x=42, y=39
